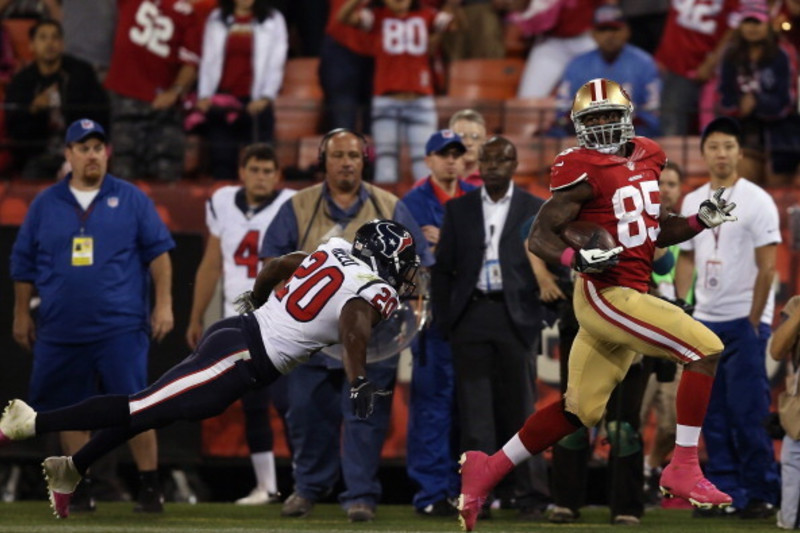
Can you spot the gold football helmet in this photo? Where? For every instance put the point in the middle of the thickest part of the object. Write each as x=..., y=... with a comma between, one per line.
x=599, y=96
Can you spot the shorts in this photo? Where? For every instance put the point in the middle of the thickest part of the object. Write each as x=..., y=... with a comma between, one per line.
x=64, y=374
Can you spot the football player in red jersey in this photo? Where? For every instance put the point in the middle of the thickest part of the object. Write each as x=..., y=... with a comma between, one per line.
x=611, y=179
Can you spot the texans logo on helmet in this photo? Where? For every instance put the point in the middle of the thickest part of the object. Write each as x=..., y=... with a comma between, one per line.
x=393, y=242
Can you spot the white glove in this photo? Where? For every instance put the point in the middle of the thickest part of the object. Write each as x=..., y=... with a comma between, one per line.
x=594, y=260
x=245, y=303
x=716, y=210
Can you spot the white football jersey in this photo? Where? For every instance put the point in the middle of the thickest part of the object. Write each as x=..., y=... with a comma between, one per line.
x=303, y=317
x=240, y=233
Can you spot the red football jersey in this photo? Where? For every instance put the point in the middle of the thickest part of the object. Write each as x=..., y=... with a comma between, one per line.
x=154, y=38
x=575, y=18
x=626, y=203
x=402, y=63
x=693, y=29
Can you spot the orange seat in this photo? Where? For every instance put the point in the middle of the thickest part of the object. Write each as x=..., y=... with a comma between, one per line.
x=17, y=30
x=493, y=79
x=13, y=211
x=529, y=116
x=295, y=118
x=301, y=78
x=308, y=155
x=685, y=151
x=492, y=110
x=534, y=156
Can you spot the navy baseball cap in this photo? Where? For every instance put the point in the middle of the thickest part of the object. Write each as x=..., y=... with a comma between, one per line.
x=441, y=140
x=608, y=16
x=725, y=125
x=82, y=129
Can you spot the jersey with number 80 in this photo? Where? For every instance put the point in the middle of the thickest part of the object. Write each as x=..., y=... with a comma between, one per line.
x=625, y=202
x=303, y=316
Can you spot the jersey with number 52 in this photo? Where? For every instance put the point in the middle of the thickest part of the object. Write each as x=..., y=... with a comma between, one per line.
x=625, y=202
x=303, y=316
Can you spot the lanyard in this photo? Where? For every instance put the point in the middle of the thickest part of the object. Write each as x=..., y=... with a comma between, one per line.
x=83, y=216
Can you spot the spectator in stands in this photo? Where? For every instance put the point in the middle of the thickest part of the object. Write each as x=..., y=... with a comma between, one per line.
x=486, y=303
x=470, y=126
x=151, y=69
x=237, y=217
x=403, y=108
x=734, y=295
x=320, y=423
x=615, y=59
x=89, y=31
x=787, y=21
x=479, y=34
x=646, y=21
x=346, y=69
x=431, y=457
x=690, y=49
x=241, y=69
x=758, y=84
x=562, y=32
x=31, y=9
x=54, y=90
x=91, y=246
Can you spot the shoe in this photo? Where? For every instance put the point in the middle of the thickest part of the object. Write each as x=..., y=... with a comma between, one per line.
x=715, y=512
x=682, y=478
x=477, y=480
x=151, y=500
x=626, y=520
x=82, y=500
x=652, y=492
x=18, y=422
x=562, y=515
x=296, y=506
x=530, y=513
x=360, y=512
x=444, y=507
x=62, y=478
x=259, y=497
x=757, y=509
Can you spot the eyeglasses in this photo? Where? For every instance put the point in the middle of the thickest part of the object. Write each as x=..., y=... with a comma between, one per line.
x=472, y=136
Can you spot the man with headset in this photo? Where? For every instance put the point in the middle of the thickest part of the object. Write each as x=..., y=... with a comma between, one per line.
x=317, y=390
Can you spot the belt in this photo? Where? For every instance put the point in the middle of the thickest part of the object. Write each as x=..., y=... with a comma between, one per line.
x=490, y=296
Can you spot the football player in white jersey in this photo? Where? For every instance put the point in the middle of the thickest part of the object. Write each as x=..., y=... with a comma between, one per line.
x=335, y=295
x=237, y=217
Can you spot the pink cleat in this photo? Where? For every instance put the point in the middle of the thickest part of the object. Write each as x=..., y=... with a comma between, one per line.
x=682, y=478
x=62, y=477
x=478, y=476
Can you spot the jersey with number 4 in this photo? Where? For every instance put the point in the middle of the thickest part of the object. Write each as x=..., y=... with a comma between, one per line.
x=303, y=317
x=626, y=203
x=240, y=231
x=154, y=38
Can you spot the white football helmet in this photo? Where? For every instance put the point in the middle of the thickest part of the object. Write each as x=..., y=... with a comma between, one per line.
x=600, y=95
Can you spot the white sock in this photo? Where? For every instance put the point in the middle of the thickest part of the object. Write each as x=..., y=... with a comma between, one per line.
x=516, y=451
x=687, y=435
x=264, y=467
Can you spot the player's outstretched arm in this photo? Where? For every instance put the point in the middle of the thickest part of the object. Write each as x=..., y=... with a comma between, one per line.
x=355, y=326
x=712, y=212
x=276, y=270
x=563, y=207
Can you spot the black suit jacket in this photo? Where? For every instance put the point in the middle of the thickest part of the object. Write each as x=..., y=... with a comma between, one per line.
x=459, y=257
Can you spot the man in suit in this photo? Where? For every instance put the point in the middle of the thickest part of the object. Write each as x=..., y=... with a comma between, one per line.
x=486, y=300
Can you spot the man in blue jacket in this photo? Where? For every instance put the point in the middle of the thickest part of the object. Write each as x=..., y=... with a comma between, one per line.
x=430, y=460
x=88, y=247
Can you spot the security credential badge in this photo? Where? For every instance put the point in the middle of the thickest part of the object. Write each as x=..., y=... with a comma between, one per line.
x=82, y=251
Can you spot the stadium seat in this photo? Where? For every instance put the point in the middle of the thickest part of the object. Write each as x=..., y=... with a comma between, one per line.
x=295, y=118
x=528, y=117
x=308, y=152
x=685, y=151
x=492, y=79
x=18, y=34
x=301, y=79
x=492, y=110
x=535, y=155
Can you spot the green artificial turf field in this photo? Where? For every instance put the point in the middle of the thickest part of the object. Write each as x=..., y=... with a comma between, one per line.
x=36, y=517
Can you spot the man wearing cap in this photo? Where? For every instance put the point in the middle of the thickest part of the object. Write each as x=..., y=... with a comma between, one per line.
x=734, y=297
x=430, y=459
x=615, y=59
x=89, y=247
x=486, y=301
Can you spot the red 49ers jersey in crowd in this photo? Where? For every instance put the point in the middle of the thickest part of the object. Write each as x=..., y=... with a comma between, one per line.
x=693, y=29
x=401, y=50
x=154, y=38
x=625, y=202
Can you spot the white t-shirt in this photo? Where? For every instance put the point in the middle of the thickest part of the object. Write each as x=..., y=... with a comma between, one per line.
x=303, y=317
x=725, y=256
x=240, y=234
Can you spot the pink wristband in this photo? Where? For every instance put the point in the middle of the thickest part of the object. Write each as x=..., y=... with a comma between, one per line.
x=695, y=224
x=566, y=256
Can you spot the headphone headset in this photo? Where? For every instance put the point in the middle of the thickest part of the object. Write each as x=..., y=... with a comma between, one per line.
x=323, y=145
